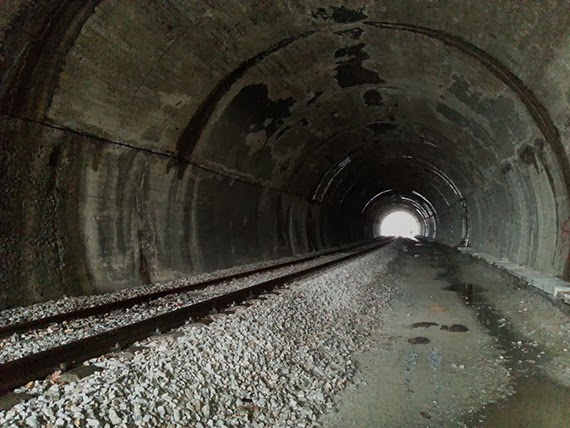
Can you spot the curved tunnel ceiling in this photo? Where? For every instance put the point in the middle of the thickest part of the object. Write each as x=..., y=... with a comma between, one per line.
x=188, y=137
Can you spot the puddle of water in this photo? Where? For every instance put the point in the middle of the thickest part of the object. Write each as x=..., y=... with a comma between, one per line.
x=469, y=292
x=455, y=328
x=424, y=324
x=419, y=340
x=538, y=402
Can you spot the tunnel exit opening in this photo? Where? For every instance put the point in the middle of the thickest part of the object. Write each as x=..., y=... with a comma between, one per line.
x=400, y=223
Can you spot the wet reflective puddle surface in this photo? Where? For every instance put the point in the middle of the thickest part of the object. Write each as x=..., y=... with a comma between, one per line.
x=455, y=328
x=538, y=401
x=424, y=324
x=419, y=340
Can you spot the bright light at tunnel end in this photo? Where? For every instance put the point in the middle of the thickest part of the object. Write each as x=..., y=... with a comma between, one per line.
x=400, y=223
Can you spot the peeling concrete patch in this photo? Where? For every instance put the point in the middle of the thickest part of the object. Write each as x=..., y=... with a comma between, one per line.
x=352, y=33
x=256, y=140
x=339, y=14
x=252, y=113
x=354, y=52
x=373, y=98
x=316, y=95
x=282, y=132
x=189, y=137
x=351, y=72
x=381, y=127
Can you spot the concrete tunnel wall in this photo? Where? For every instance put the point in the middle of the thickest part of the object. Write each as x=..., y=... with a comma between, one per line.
x=143, y=141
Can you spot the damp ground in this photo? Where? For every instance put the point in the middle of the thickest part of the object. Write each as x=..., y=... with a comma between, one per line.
x=462, y=346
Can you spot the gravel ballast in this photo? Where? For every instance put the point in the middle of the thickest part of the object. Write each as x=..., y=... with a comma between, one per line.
x=73, y=303
x=19, y=345
x=277, y=363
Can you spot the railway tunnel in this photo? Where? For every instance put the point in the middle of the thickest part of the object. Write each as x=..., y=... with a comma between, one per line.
x=143, y=142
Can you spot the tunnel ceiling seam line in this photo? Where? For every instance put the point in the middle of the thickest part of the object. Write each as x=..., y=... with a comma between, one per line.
x=148, y=151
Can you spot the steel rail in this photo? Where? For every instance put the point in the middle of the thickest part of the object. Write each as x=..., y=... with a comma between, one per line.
x=18, y=372
x=104, y=308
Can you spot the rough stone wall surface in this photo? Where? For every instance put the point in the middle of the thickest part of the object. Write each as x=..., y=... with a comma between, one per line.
x=142, y=141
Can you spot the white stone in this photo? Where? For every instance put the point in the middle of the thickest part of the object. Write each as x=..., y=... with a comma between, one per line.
x=114, y=417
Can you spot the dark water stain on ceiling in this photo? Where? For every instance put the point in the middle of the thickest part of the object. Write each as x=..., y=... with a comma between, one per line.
x=316, y=95
x=495, y=110
x=354, y=51
x=352, y=33
x=251, y=117
x=373, y=98
x=339, y=14
x=282, y=132
x=381, y=127
x=189, y=138
x=454, y=116
x=252, y=111
x=351, y=72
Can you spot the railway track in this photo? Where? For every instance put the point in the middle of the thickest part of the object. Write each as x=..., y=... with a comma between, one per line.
x=99, y=309
x=19, y=371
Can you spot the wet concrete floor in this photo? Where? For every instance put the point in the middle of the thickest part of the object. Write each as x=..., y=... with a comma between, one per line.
x=462, y=346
